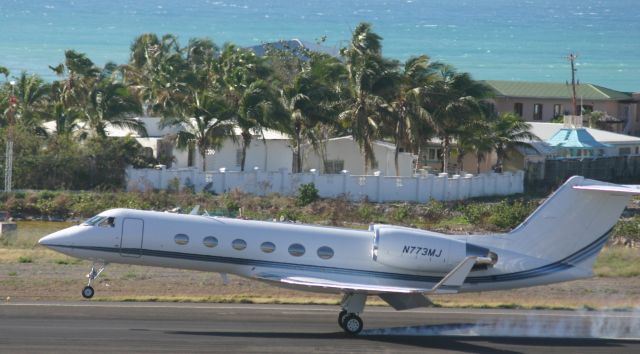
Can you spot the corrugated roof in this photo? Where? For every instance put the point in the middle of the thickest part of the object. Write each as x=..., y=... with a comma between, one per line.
x=575, y=138
x=554, y=90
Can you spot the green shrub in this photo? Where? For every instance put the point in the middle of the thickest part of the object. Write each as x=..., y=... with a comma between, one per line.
x=507, y=215
x=25, y=259
x=401, y=213
x=307, y=194
x=628, y=228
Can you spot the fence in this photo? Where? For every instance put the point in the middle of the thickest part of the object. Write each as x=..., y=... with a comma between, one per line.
x=544, y=176
x=419, y=188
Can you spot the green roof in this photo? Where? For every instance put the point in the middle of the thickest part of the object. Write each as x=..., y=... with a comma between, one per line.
x=555, y=90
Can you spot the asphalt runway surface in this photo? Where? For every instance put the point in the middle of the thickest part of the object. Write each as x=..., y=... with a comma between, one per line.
x=187, y=328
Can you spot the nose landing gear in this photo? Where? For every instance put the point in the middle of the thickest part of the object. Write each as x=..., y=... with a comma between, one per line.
x=87, y=291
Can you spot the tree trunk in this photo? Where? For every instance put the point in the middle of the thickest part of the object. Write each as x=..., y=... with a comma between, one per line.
x=396, y=160
x=445, y=154
x=298, y=154
x=203, y=153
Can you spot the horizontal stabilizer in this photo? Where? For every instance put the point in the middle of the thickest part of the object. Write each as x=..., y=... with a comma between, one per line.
x=452, y=282
x=610, y=189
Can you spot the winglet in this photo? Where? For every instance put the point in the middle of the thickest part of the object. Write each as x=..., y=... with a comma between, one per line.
x=452, y=282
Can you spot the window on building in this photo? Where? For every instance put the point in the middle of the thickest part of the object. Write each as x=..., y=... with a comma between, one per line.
x=624, y=151
x=518, y=108
x=191, y=154
x=637, y=150
x=537, y=111
x=431, y=154
x=333, y=166
x=557, y=110
x=586, y=108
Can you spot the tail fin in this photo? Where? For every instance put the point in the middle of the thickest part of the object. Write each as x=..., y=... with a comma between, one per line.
x=574, y=223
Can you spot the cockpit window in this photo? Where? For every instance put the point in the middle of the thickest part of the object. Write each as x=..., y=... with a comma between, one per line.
x=101, y=221
x=94, y=220
x=109, y=221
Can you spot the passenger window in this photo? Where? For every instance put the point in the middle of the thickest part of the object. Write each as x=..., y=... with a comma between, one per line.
x=239, y=244
x=296, y=250
x=325, y=252
x=210, y=241
x=268, y=247
x=181, y=239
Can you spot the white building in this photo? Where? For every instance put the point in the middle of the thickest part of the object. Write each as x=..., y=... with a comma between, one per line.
x=343, y=153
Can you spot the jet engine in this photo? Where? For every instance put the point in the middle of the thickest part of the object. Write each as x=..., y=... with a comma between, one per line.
x=425, y=252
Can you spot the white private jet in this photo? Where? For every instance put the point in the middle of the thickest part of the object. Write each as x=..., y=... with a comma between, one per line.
x=558, y=242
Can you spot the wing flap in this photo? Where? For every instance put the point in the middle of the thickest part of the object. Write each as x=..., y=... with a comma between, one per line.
x=332, y=284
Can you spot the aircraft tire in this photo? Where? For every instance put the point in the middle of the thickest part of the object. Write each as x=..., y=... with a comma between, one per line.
x=341, y=316
x=87, y=292
x=352, y=324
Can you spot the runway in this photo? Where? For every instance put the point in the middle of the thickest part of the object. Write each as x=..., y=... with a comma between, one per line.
x=172, y=328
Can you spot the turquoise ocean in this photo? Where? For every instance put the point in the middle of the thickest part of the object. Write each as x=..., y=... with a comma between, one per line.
x=497, y=39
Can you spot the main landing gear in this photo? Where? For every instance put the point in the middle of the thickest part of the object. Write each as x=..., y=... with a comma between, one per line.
x=87, y=291
x=348, y=319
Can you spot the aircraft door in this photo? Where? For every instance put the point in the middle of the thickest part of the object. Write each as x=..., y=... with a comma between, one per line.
x=131, y=240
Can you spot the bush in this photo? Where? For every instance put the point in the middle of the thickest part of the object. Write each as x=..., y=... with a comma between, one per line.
x=307, y=194
x=507, y=215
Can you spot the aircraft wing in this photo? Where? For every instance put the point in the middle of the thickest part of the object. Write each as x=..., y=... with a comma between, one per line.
x=450, y=283
x=332, y=284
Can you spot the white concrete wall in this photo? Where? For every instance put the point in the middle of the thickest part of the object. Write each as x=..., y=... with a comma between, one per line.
x=374, y=188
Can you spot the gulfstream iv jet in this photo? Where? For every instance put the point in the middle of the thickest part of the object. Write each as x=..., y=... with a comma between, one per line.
x=558, y=242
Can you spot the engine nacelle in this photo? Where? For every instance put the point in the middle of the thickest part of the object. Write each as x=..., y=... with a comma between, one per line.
x=423, y=252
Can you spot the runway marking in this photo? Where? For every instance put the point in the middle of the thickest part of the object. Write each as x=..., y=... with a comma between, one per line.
x=313, y=308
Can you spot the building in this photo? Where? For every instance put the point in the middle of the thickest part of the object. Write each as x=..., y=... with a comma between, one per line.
x=580, y=143
x=343, y=153
x=543, y=101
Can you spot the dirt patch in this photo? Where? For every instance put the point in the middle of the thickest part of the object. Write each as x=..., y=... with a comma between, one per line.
x=48, y=280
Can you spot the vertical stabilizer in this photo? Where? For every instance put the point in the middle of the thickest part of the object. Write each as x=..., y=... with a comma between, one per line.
x=574, y=223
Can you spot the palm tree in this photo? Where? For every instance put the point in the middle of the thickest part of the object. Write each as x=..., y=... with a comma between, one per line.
x=155, y=69
x=452, y=100
x=510, y=131
x=206, y=120
x=406, y=115
x=259, y=108
x=97, y=94
x=371, y=81
x=32, y=95
x=309, y=100
x=241, y=77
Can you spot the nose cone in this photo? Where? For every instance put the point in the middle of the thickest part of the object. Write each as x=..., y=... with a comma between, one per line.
x=59, y=238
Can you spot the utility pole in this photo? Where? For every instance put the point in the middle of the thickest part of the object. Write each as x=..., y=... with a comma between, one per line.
x=572, y=58
x=8, y=163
